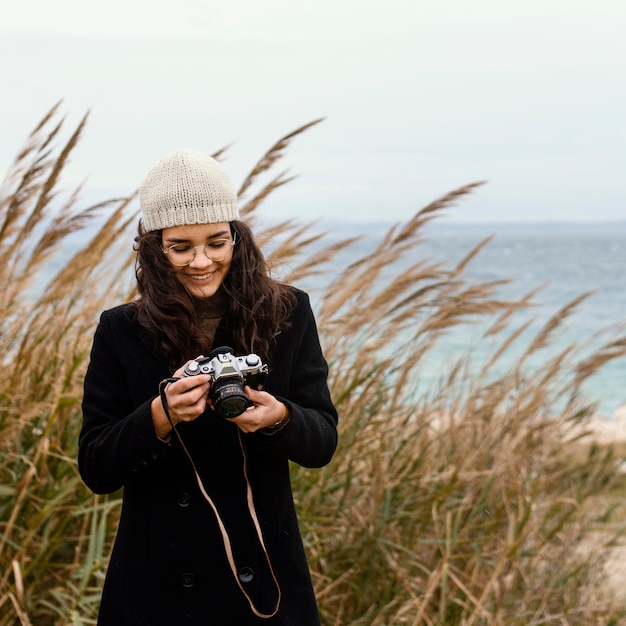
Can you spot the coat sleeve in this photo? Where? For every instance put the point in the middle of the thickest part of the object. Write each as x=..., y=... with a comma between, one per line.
x=310, y=437
x=117, y=440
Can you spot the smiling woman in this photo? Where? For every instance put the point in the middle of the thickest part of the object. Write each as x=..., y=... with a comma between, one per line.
x=208, y=532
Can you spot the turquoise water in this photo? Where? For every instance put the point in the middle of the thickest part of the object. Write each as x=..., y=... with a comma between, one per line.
x=566, y=260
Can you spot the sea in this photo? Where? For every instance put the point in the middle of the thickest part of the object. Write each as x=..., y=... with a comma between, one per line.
x=564, y=260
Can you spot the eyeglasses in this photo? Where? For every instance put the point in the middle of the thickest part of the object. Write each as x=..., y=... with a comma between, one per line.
x=181, y=254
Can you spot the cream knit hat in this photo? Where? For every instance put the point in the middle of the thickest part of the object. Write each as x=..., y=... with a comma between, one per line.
x=187, y=187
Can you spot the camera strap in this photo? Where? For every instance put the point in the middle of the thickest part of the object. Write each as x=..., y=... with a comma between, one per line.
x=251, y=508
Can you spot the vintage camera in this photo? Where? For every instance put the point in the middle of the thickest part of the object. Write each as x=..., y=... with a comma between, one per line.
x=229, y=375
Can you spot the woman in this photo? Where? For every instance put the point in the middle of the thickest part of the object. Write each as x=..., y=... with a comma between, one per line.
x=208, y=532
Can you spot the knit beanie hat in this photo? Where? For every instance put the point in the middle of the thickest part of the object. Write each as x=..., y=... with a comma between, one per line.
x=187, y=187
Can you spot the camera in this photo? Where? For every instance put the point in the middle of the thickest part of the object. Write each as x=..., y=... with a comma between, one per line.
x=229, y=375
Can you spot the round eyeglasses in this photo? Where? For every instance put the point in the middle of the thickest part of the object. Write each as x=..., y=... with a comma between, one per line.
x=181, y=254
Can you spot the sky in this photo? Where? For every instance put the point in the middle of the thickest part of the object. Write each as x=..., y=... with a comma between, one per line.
x=418, y=98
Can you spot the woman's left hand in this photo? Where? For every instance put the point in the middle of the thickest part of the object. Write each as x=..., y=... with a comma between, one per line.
x=267, y=410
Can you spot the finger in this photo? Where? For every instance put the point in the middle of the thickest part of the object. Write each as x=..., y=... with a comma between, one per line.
x=187, y=383
x=192, y=398
x=179, y=396
x=188, y=408
x=254, y=395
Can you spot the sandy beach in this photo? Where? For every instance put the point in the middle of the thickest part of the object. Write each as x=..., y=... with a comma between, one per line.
x=605, y=430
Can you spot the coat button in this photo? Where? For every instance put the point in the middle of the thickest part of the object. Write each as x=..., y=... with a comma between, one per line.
x=246, y=574
x=184, y=499
x=187, y=579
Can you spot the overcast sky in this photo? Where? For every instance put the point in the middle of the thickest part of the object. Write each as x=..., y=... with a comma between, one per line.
x=419, y=98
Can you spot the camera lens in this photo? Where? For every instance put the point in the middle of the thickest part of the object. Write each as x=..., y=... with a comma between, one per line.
x=229, y=398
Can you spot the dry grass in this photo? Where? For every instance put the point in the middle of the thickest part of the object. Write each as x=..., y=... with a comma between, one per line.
x=468, y=502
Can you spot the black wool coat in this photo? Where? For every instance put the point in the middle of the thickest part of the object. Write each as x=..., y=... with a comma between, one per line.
x=169, y=564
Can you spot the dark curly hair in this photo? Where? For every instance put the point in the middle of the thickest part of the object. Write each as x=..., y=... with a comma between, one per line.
x=258, y=306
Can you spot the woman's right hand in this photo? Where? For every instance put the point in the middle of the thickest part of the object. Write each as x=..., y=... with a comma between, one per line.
x=186, y=400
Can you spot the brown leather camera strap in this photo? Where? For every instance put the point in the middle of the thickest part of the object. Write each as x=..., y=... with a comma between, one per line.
x=220, y=522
